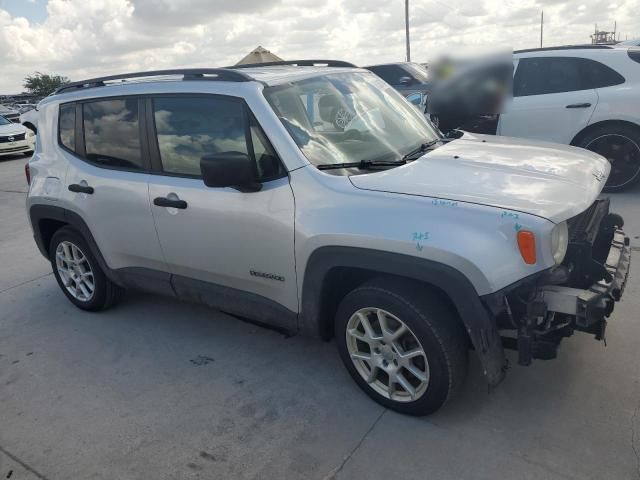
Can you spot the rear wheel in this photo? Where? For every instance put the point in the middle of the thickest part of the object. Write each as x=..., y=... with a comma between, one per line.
x=79, y=274
x=402, y=345
x=621, y=146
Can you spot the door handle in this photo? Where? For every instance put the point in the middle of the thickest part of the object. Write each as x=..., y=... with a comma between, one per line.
x=170, y=202
x=74, y=187
x=579, y=105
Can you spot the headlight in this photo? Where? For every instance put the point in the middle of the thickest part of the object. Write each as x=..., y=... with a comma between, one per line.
x=30, y=133
x=559, y=242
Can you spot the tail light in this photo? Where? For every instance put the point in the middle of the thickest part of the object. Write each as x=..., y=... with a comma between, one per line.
x=27, y=173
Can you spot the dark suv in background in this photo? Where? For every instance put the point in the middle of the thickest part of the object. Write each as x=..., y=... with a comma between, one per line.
x=410, y=79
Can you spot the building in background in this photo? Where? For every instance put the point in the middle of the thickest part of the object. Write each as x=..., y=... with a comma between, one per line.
x=259, y=55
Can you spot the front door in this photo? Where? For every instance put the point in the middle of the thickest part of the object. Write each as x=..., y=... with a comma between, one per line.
x=233, y=243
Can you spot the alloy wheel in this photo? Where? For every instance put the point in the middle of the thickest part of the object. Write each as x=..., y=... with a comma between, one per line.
x=387, y=355
x=75, y=271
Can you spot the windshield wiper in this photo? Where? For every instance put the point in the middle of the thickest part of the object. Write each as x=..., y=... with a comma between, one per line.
x=362, y=164
x=421, y=149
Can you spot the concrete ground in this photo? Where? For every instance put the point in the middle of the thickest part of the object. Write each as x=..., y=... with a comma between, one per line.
x=157, y=389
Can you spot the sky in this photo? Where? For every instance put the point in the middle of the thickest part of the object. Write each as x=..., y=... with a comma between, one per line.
x=86, y=38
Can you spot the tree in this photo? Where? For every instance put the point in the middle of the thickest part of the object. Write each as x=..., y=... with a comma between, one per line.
x=42, y=84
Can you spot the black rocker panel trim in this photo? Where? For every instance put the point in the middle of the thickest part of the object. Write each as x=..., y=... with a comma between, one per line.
x=247, y=305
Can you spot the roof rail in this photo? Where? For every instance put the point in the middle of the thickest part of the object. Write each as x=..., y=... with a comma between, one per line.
x=299, y=63
x=588, y=46
x=218, y=74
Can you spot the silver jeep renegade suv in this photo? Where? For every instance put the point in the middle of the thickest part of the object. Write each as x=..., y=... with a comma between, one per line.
x=228, y=187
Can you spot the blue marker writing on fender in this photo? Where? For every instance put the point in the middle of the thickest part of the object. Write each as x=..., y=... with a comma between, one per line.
x=418, y=237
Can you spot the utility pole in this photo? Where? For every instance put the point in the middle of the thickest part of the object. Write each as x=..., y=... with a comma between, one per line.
x=541, y=26
x=406, y=24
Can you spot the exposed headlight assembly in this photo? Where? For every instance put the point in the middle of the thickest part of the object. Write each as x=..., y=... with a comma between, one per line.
x=559, y=242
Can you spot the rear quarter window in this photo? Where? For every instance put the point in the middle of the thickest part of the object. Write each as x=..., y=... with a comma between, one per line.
x=634, y=54
x=67, y=126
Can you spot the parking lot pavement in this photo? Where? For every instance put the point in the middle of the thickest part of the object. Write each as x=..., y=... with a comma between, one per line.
x=157, y=389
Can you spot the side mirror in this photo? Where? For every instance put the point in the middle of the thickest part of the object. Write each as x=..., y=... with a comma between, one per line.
x=229, y=169
x=406, y=80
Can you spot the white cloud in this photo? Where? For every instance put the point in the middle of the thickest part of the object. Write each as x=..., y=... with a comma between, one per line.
x=84, y=38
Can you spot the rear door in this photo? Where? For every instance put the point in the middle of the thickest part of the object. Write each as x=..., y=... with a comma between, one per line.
x=552, y=100
x=240, y=241
x=107, y=179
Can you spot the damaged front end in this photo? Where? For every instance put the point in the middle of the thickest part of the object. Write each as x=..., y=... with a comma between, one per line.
x=578, y=295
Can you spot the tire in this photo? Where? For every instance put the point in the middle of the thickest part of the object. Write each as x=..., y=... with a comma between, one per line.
x=105, y=293
x=620, y=144
x=434, y=328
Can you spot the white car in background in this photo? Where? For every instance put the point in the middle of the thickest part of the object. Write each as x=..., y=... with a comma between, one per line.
x=15, y=138
x=30, y=119
x=587, y=96
x=10, y=114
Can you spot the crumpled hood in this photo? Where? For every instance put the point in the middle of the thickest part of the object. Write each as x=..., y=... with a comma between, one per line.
x=550, y=180
x=11, y=129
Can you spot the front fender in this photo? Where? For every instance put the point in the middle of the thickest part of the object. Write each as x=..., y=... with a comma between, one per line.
x=479, y=324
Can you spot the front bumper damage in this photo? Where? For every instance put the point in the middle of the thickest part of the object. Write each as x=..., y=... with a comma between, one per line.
x=535, y=315
x=592, y=306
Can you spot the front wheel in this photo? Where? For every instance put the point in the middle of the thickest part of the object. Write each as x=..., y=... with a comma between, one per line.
x=402, y=345
x=621, y=146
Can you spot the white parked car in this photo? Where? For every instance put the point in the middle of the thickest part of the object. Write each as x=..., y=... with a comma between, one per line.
x=587, y=96
x=10, y=114
x=15, y=139
x=30, y=119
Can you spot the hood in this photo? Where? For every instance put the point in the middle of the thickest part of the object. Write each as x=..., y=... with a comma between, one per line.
x=11, y=129
x=549, y=180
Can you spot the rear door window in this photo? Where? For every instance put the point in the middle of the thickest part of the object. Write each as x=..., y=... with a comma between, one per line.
x=546, y=75
x=112, y=133
x=599, y=75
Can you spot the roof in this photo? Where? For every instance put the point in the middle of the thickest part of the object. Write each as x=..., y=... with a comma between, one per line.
x=259, y=55
x=565, y=47
x=277, y=74
x=389, y=63
x=270, y=73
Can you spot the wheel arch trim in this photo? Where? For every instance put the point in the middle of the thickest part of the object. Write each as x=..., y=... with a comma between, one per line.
x=480, y=325
x=600, y=124
x=40, y=212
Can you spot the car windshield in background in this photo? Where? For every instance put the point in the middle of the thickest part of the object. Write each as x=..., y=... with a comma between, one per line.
x=349, y=117
x=4, y=121
x=418, y=72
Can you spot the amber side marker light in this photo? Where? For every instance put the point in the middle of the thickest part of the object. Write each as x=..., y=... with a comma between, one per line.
x=527, y=246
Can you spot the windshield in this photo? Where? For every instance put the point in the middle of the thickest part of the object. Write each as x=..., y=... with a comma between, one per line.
x=4, y=121
x=418, y=72
x=349, y=117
